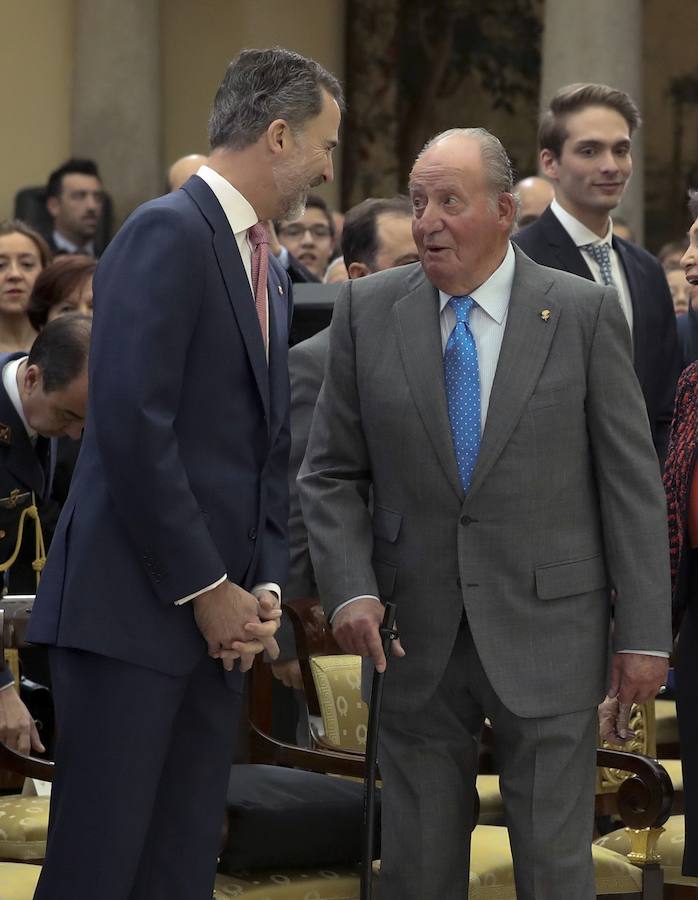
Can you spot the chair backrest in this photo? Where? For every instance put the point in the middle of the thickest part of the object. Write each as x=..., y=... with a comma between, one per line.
x=30, y=207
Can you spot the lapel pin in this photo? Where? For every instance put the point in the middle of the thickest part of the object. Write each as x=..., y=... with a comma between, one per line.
x=5, y=434
x=545, y=314
x=280, y=289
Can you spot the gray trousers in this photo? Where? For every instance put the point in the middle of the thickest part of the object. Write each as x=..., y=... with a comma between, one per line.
x=428, y=762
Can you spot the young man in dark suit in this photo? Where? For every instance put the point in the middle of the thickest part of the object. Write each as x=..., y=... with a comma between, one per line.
x=585, y=140
x=163, y=578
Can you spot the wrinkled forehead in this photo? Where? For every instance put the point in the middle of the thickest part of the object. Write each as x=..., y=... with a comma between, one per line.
x=430, y=175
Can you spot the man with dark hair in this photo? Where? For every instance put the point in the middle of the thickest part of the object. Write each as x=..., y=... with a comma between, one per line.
x=480, y=456
x=42, y=396
x=377, y=235
x=306, y=244
x=74, y=199
x=162, y=583
x=585, y=139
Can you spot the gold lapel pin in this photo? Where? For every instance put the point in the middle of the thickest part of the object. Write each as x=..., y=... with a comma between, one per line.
x=545, y=314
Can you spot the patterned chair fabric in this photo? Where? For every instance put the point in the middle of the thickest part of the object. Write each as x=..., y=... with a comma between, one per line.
x=315, y=884
x=669, y=846
x=666, y=725
x=18, y=881
x=23, y=828
x=337, y=682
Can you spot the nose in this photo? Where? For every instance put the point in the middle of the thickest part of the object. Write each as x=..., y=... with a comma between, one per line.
x=14, y=273
x=430, y=220
x=328, y=173
x=609, y=163
x=689, y=257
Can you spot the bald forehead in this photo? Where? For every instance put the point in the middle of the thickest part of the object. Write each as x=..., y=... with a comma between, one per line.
x=451, y=157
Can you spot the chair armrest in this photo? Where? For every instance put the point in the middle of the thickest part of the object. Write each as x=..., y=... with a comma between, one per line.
x=28, y=766
x=313, y=637
x=645, y=799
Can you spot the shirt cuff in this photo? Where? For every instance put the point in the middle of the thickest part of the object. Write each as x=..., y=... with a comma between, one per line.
x=267, y=586
x=347, y=602
x=202, y=591
x=662, y=653
x=4, y=687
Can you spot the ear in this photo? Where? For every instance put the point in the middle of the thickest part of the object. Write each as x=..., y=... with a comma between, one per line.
x=278, y=136
x=33, y=378
x=358, y=270
x=506, y=208
x=549, y=164
x=53, y=205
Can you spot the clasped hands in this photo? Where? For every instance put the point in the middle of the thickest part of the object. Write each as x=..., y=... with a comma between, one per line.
x=635, y=678
x=236, y=625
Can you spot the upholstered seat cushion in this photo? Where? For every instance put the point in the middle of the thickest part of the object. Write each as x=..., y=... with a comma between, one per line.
x=667, y=729
x=673, y=767
x=290, y=884
x=492, y=870
x=669, y=846
x=491, y=803
x=287, y=818
x=18, y=880
x=23, y=827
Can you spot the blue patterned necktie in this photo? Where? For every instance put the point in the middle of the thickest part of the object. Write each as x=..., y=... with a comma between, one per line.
x=601, y=254
x=462, y=377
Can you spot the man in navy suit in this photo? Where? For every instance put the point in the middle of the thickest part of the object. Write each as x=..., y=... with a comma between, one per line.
x=585, y=150
x=166, y=563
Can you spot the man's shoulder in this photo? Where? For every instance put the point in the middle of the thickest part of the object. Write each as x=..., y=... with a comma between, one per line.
x=387, y=286
x=312, y=349
x=638, y=255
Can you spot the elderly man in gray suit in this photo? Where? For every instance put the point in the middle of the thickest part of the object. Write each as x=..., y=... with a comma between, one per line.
x=492, y=406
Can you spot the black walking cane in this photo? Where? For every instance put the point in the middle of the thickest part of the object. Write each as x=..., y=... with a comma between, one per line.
x=388, y=634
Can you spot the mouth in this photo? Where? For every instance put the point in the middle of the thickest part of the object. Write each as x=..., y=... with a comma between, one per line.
x=692, y=278
x=306, y=258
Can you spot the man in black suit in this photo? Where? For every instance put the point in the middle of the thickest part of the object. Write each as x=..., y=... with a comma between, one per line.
x=377, y=235
x=585, y=150
x=74, y=200
x=42, y=396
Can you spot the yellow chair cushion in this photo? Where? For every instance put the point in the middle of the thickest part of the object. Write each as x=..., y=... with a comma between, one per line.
x=344, y=714
x=492, y=866
x=491, y=804
x=667, y=729
x=23, y=827
x=289, y=884
x=18, y=881
x=670, y=847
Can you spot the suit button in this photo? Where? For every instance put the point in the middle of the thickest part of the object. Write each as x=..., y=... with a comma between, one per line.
x=252, y=534
x=467, y=520
x=459, y=582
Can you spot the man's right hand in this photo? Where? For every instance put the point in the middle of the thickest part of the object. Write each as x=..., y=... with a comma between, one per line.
x=221, y=615
x=17, y=728
x=356, y=628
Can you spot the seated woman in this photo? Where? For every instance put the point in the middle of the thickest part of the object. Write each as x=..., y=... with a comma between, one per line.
x=681, y=483
x=64, y=286
x=23, y=254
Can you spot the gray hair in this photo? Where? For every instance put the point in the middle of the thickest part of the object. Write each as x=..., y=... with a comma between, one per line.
x=263, y=85
x=693, y=203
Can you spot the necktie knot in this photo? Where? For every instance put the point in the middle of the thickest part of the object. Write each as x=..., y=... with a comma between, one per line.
x=601, y=254
x=257, y=235
x=462, y=307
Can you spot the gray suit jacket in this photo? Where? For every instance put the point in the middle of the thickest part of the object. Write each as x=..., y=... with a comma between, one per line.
x=566, y=500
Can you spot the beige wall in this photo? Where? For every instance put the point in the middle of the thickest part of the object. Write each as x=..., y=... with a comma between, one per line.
x=36, y=49
x=199, y=39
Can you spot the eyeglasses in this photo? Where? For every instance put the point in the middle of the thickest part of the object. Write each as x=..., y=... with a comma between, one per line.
x=298, y=231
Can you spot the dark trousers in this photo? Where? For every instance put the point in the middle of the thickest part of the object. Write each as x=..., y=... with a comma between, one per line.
x=687, y=707
x=142, y=764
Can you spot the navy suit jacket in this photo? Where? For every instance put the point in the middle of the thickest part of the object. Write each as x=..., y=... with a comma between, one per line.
x=182, y=475
x=655, y=347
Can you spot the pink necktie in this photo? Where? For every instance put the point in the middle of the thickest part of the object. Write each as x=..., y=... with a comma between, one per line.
x=259, y=241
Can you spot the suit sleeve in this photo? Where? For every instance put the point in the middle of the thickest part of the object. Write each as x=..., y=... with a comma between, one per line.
x=631, y=496
x=337, y=468
x=272, y=565
x=149, y=291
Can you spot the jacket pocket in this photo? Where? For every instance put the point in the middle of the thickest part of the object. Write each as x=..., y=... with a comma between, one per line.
x=386, y=523
x=580, y=576
x=385, y=573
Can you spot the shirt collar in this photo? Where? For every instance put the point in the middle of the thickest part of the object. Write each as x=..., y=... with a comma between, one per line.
x=62, y=243
x=9, y=382
x=579, y=233
x=238, y=211
x=493, y=295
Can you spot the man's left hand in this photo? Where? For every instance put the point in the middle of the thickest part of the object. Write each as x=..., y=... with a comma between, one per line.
x=635, y=678
x=261, y=635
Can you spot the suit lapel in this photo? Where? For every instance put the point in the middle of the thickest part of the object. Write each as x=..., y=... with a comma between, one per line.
x=236, y=282
x=419, y=339
x=635, y=289
x=527, y=339
x=278, y=343
x=562, y=246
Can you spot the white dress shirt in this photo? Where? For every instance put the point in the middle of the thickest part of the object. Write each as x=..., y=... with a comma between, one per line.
x=241, y=216
x=581, y=235
x=62, y=243
x=9, y=382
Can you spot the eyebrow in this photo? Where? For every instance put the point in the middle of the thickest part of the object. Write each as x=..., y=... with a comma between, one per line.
x=594, y=142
